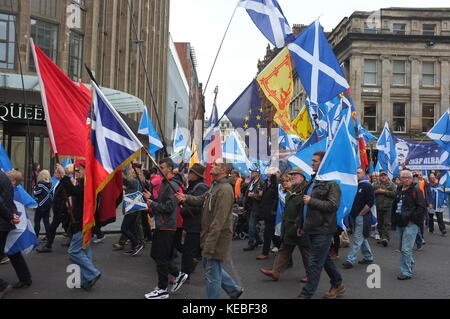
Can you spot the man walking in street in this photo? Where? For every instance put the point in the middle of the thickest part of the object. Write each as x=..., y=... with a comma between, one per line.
x=385, y=192
x=438, y=196
x=252, y=203
x=408, y=212
x=317, y=218
x=217, y=232
x=360, y=220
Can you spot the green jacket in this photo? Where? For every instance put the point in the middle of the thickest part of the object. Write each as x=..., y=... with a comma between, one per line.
x=384, y=201
x=294, y=200
x=217, y=227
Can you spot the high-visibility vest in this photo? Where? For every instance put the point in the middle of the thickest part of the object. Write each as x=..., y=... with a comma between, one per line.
x=237, y=188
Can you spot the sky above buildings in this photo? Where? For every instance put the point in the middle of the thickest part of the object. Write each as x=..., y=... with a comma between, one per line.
x=203, y=24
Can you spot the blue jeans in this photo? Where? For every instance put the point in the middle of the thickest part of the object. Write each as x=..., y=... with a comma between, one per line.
x=217, y=278
x=83, y=258
x=253, y=236
x=319, y=259
x=407, y=236
x=359, y=242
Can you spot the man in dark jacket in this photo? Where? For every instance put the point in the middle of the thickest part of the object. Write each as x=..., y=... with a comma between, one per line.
x=385, y=192
x=408, y=212
x=317, y=218
x=8, y=220
x=192, y=219
x=360, y=220
x=82, y=257
x=252, y=203
x=164, y=210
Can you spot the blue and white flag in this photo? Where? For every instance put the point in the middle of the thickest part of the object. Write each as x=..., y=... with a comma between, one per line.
x=369, y=137
x=440, y=133
x=387, y=154
x=340, y=165
x=5, y=162
x=134, y=202
x=280, y=210
x=23, y=238
x=288, y=141
x=234, y=153
x=304, y=157
x=146, y=128
x=378, y=167
x=270, y=20
x=317, y=65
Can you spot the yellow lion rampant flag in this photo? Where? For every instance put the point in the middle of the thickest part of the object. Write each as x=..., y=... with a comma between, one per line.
x=194, y=159
x=302, y=124
x=278, y=86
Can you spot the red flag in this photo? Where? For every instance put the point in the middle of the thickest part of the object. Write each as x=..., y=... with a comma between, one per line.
x=363, y=153
x=106, y=211
x=214, y=153
x=66, y=107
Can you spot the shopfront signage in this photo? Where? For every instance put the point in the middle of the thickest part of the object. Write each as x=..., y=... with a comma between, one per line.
x=15, y=112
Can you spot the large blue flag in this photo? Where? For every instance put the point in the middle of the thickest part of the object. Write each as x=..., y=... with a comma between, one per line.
x=234, y=152
x=288, y=141
x=317, y=65
x=270, y=20
x=387, y=155
x=5, y=162
x=146, y=128
x=340, y=165
x=23, y=238
x=440, y=134
x=304, y=157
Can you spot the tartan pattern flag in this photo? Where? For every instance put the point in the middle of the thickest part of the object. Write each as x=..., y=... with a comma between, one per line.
x=111, y=145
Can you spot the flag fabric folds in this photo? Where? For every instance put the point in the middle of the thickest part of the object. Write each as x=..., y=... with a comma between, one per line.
x=302, y=124
x=340, y=165
x=5, y=162
x=146, y=128
x=66, y=107
x=23, y=238
x=317, y=65
x=304, y=157
x=269, y=19
x=277, y=84
x=111, y=145
x=234, y=153
x=440, y=134
x=288, y=141
x=387, y=155
x=280, y=210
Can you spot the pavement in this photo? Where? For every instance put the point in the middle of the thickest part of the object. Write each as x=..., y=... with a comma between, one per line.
x=125, y=277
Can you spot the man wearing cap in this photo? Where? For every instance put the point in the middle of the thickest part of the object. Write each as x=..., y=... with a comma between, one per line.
x=289, y=236
x=192, y=219
x=252, y=203
x=385, y=192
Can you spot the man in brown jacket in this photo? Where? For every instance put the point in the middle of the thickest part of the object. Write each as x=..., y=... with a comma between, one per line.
x=217, y=232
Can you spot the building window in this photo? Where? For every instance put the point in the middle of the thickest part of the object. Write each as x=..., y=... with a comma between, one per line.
x=427, y=116
x=370, y=116
x=399, y=73
x=370, y=72
x=75, y=56
x=428, y=74
x=429, y=29
x=45, y=36
x=399, y=28
x=399, y=119
x=370, y=28
x=7, y=41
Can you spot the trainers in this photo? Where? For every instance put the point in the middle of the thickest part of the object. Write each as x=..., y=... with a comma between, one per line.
x=4, y=260
x=334, y=292
x=88, y=286
x=347, y=265
x=157, y=294
x=137, y=250
x=403, y=277
x=275, y=250
x=179, y=281
x=5, y=291
x=99, y=240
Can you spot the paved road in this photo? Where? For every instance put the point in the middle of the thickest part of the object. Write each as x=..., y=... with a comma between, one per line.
x=127, y=277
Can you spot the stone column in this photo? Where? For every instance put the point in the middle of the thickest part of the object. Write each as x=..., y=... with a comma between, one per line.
x=416, y=75
x=445, y=85
x=386, y=80
x=355, y=79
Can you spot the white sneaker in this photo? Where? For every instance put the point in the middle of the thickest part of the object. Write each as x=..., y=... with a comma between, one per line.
x=377, y=237
x=157, y=294
x=275, y=250
x=179, y=281
x=99, y=240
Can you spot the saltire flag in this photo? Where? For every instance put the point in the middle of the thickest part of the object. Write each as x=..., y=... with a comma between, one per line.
x=302, y=124
x=23, y=238
x=5, y=162
x=277, y=84
x=180, y=144
x=110, y=147
x=234, y=152
x=387, y=155
x=318, y=113
x=339, y=165
x=317, y=65
x=440, y=134
x=378, y=167
x=369, y=137
x=270, y=20
x=66, y=107
x=288, y=141
x=371, y=168
x=280, y=210
x=444, y=181
x=303, y=159
x=146, y=128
